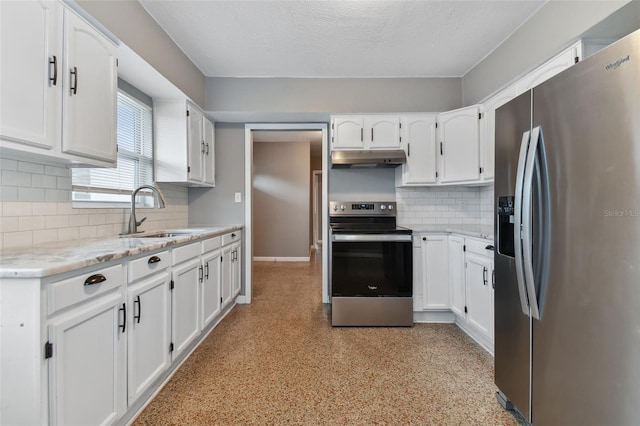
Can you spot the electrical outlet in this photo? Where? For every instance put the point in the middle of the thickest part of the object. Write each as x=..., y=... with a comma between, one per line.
x=238, y=197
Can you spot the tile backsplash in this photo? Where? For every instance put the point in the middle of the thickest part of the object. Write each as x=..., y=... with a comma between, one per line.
x=36, y=208
x=451, y=205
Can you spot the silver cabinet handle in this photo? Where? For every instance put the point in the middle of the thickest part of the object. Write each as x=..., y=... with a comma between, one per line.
x=74, y=85
x=206, y=270
x=484, y=276
x=95, y=279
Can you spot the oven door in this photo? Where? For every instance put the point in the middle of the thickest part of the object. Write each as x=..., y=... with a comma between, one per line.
x=371, y=265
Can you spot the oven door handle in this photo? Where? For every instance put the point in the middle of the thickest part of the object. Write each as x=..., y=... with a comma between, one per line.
x=371, y=237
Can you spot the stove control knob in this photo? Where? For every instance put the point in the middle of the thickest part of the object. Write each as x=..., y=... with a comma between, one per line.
x=383, y=207
x=343, y=207
x=335, y=208
x=390, y=207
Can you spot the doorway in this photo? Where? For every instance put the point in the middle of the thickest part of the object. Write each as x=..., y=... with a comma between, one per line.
x=249, y=199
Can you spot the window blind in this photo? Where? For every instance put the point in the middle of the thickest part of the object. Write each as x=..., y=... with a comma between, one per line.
x=134, y=161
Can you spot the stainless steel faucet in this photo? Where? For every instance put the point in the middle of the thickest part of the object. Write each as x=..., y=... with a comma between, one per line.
x=160, y=203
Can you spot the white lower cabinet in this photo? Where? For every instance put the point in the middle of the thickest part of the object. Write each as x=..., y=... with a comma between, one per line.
x=479, y=272
x=149, y=332
x=87, y=349
x=453, y=274
x=236, y=271
x=184, y=305
x=211, y=301
x=435, y=273
x=231, y=274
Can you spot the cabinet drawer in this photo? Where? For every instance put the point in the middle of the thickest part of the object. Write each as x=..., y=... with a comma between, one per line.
x=231, y=237
x=187, y=252
x=479, y=247
x=148, y=265
x=82, y=287
x=211, y=244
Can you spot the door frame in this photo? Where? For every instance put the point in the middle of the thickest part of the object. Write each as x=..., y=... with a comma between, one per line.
x=248, y=205
x=316, y=208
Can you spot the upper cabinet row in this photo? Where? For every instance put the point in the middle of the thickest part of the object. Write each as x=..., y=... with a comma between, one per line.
x=59, y=84
x=454, y=147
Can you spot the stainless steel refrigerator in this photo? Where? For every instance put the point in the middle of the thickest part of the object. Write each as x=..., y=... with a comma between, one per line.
x=567, y=264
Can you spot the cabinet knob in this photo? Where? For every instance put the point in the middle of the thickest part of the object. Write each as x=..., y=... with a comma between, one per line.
x=424, y=238
x=153, y=259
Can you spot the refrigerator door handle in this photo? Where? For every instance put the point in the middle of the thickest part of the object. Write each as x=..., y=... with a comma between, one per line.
x=517, y=234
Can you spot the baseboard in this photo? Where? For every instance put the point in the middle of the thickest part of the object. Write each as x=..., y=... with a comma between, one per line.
x=480, y=338
x=434, y=317
x=281, y=259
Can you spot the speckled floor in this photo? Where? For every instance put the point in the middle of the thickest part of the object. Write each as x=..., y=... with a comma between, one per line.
x=278, y=361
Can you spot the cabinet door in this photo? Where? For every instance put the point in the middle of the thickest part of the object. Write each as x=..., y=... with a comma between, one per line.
x=225, y=276
x=184, y=305
x=210, y=301
x=460, y=145
x=479, y=293
x=419, y=135
x=550, y=68
x=209, y=153
x=90, y=92
x=31, y=72
x=488, y=123
x=347, y=132
x=382, y=131
x=195, y=142
x=149, y=310
x=87, y=369
x=236, y=270
x=435, y=272
x=457, y=275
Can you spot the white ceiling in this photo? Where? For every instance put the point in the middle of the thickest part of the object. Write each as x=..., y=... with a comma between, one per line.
x=339, y=38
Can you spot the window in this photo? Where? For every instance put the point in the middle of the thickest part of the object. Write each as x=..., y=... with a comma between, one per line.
x=135, y=160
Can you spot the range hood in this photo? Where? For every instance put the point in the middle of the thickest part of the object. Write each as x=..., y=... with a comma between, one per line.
x=368, y=158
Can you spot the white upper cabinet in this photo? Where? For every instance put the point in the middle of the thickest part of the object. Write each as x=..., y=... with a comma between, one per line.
x=347, y=132
x=185, y=146
x=459, y=135
x=419, y=141
x=365, y=132
x=59, y=85
x=31, y=72
x=195, y=143
x=89, y=100
x=382, y=131
x=488, y=130
x=557, y=64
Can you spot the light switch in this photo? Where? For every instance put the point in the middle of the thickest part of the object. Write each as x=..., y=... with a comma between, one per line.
x=238, y=197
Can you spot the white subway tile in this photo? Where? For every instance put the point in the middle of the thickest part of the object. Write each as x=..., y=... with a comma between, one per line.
x=6, y=164
x=63, y=182
x=87, y=232
x=8, y=193
x=45, y=236
x=12, y=178
x=31, y=194
x=45, y=209
x=53, y=222
x=26, y=167
x=9, y=224
x=42, y=181
x=81, y=220
x=16, y=209
x=57, y=171
x=17, y=239
x=31, y=223
x=68, y=234
x=97, y=219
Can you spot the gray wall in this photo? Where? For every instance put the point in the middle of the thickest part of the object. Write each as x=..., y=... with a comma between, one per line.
x=281, y=199
x=332, y=95
x=216, y=206
x=555, y=26
x=362, y=184
x=131, y=23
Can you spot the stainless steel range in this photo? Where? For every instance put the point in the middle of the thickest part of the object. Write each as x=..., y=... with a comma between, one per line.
x=371, y=265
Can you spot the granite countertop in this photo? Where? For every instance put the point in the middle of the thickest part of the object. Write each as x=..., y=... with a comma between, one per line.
x=477, y=231
x=56, y=258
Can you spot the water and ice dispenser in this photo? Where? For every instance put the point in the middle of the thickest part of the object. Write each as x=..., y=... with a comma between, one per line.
x=506, y=217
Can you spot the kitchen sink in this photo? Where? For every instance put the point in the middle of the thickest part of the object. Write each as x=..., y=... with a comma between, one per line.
x=163, y=234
